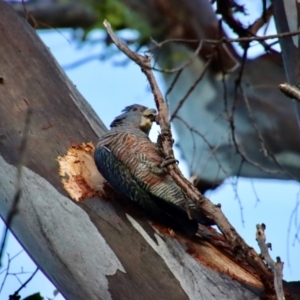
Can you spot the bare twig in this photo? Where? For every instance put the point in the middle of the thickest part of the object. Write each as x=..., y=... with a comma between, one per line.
x=291, y=91
x=225, y=40
x=190, y=90
x=175, y=79
x=204, y=204
x=25, y=283
x=9, y=260
x=238, y=147
x=293, y=219
x=16, y=199
x=224, y=7
x=277, y=266
x=212, y=148
x=184, y=64
x=254, y=192
x=235, y=191
x=264, y=148
x=264, y=19
x=231, y=116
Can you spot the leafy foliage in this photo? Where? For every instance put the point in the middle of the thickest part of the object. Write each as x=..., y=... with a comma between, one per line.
x=120, y=17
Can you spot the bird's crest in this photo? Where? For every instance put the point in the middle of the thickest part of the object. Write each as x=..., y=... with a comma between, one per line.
x=131, y=108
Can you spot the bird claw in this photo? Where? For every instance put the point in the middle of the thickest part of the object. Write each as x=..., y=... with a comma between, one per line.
x=168, y=161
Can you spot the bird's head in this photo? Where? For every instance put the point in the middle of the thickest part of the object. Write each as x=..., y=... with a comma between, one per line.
x=138, y=116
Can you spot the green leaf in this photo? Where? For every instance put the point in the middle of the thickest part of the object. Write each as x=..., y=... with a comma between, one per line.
x=120, y=17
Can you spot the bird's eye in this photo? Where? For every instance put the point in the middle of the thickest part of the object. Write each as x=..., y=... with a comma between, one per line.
x=135, y=109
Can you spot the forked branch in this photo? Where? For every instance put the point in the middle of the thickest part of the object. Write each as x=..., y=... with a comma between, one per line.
x=277, y=266
x=203, y=203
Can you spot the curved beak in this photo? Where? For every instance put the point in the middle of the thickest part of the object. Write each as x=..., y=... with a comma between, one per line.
x=150, y=113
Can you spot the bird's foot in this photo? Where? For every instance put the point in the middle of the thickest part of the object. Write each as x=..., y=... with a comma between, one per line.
x=168, y=161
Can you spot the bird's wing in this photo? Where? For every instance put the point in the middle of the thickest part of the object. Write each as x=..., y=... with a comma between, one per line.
x=120, y=178
x=142, y=159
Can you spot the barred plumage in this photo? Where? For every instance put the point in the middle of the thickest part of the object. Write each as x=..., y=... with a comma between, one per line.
x=131, y=164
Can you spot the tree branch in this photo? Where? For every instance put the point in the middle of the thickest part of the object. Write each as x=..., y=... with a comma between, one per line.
x=204, y=204
x=43, y=15
x=225, y=40
x=291, y=91
x=25, y=283
x=275, y=267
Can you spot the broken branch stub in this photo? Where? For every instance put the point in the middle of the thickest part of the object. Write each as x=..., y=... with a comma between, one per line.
x=277, y=266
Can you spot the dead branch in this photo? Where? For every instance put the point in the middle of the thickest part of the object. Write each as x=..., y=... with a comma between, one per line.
x=16, y=293
x=190, y=90
x=204, y=204
x=224, y=8
x=291, y=91
x=275, y=267
x=225, y=40
x=260, y=22
x=176, y=77
x=239, y=148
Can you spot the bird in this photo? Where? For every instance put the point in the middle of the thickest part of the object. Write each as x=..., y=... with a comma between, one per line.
x=133, y=166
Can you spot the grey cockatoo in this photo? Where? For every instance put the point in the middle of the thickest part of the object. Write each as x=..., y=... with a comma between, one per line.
x=132, y=165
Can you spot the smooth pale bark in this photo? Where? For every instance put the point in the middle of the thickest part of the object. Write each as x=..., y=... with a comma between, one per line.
x=95, y=249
